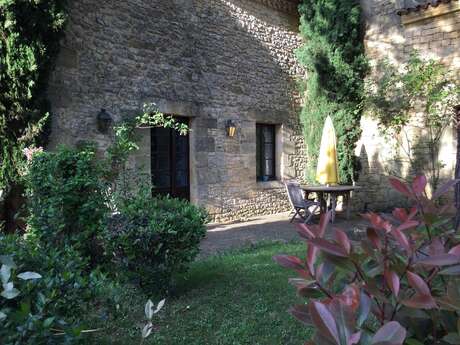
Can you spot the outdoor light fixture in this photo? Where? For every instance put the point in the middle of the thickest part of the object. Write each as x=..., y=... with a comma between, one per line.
x=104, y=120
x=231, y=128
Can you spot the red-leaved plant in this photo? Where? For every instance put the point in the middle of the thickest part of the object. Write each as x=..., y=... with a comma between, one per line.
x=399, y=285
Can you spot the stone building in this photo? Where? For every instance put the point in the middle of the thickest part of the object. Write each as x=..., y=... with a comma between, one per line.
x=211, y=63
x=393, y=30
x=215, y=63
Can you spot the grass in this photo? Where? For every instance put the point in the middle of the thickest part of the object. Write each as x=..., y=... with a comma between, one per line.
x=234, y=299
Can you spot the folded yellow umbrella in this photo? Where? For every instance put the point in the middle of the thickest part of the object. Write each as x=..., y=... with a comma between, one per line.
x=327, y=170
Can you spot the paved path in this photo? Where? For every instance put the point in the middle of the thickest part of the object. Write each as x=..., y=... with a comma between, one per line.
x=221, y=238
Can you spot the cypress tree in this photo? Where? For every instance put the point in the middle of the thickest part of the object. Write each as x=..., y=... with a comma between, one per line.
x=334, y=58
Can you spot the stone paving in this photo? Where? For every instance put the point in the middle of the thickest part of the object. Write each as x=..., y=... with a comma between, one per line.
x=221, y=238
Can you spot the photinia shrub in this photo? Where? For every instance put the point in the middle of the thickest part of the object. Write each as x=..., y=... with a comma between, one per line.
x=399, y=285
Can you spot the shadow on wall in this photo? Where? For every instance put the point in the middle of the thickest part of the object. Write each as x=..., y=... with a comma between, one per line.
x=404, y=163
x=376, y=194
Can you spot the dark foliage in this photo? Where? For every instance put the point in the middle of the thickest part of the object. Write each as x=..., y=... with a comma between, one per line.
x=29, y=42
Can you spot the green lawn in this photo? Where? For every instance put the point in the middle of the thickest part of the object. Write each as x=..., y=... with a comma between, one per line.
x=237, y=298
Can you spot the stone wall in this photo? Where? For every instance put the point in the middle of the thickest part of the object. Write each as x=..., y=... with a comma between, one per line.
x=435, y=32
x=210, y=60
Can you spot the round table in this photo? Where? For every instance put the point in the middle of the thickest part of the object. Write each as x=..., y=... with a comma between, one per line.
x=334, y=191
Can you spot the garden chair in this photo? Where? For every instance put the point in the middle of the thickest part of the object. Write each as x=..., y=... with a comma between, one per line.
x=299, y=203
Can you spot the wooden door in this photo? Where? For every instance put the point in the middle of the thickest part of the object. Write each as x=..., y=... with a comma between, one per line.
x=171, y=162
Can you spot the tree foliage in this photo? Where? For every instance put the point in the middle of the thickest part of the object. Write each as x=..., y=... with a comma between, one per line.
x=422, y=94
x=333, y=55
x=29, y=42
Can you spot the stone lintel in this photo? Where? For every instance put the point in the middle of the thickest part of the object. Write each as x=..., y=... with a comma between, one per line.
x=180, y=108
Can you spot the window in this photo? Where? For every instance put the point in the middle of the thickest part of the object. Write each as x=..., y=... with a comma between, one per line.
x=266, y=152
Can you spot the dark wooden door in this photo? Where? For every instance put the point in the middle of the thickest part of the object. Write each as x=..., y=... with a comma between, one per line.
x=171, y=162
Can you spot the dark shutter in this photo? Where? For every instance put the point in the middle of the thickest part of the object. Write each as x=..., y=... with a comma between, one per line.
x=266, y=152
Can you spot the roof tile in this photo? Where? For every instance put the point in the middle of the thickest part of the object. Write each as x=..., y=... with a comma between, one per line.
x=408, y=6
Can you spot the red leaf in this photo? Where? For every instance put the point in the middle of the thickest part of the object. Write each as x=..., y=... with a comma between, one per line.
x=440, y=260
x=455, y=250
x=391, y=333
x=323, y=223
x=444, y=189
x=419, y=185
x=288, y=261
x=418, y=284
x=350, y=297
x=419, y=301
x=342, y=238
x=354, y=339
x=401, y=238
x=329, y=247
x=324, y=321
x=436, y=247
x=301, y=313
x=412, y=213
x=378, y=222
x=304, y=231
x=312, y=254
x=393, y=282
x=408, y=225
x=400, y=187
x=400, y=214
x=374, y=238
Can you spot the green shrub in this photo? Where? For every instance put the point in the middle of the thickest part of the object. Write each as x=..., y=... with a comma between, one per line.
x=153, y=238
x=67, y=200
x=47, y=310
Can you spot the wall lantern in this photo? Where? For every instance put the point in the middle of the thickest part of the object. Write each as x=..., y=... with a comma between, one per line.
x=231, y=128
x=104, y=121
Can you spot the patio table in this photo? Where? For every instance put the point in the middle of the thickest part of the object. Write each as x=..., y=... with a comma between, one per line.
x=334, y=192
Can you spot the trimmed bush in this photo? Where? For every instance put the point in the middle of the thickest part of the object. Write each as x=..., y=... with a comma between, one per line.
x=153, y=238
x=68, y=200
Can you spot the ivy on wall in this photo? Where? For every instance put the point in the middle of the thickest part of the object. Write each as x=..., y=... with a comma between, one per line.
x=334, y=58
x=29, y=41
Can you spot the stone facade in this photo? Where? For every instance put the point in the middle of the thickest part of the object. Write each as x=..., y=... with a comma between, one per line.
x=209, y=60
x=435, y=32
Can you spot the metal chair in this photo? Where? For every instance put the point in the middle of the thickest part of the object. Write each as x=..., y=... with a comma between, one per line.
x=299, y=203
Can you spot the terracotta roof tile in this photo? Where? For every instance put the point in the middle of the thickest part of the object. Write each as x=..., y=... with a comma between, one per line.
x=408, y=6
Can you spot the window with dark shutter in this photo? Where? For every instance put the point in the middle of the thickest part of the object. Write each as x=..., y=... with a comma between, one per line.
x=266, y=152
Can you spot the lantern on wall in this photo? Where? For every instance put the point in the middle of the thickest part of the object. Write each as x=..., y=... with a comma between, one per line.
x=104, y=121
x=231, y=128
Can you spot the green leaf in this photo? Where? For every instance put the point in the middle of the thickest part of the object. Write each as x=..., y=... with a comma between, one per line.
x=147, y=330
x=5, y=274
x=10, y=293
x=149, y=310
x=2, y=316
x=29, y=276
x=48, y=322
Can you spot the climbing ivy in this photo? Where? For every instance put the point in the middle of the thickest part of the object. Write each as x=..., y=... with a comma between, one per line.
x=334, y=58
x=29, y=41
